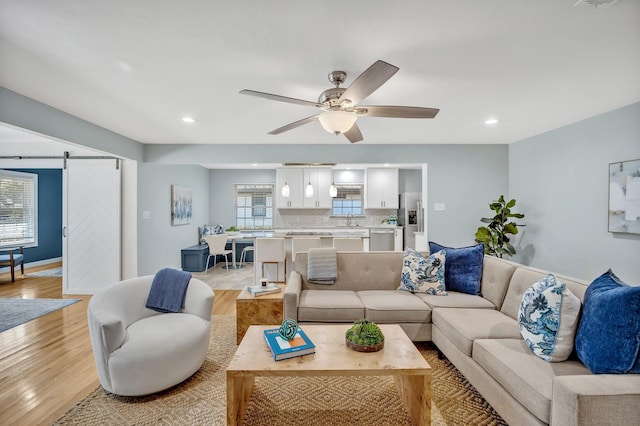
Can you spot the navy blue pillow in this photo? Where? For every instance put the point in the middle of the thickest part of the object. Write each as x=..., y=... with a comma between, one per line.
x=608, y=338
x=462, y=267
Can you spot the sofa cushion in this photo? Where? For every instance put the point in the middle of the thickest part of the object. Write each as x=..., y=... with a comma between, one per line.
x=329, y=306
x=455, y=299
x=496, y=274
x=423, y=274
x=526, y=377
x=608, y=338
x=548, y=319
x=388, y=306
x=463, y=267
x=463, y=326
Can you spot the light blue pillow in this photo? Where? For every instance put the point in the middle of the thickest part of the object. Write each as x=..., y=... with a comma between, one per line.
x=608, y=339
x=548, y=319
x=423, y=274
x=463, y=269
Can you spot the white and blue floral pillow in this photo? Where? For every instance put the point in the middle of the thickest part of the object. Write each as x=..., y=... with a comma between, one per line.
x=423, y=274
x=209, y=230
x=548, y=319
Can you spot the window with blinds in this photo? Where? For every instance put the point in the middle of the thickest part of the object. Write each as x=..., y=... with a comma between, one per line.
x=349, y=201
x=254, y=206
x=18, y=209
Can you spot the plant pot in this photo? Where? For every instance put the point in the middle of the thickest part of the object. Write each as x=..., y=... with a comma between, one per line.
x=364, y=348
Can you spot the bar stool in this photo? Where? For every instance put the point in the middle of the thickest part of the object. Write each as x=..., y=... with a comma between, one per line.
x=269, y=251
x=303, y=244
x=347, y=244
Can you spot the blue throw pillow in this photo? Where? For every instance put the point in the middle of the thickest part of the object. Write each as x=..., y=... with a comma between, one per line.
x=608, y=339
x=462, y=268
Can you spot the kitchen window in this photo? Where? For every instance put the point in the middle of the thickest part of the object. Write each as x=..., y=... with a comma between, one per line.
x=348, y=201
x=18, y=209
x=253, y=206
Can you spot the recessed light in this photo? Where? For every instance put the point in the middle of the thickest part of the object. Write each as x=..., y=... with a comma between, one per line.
x=254, y=164
x=188, y=119
x=386, y=164
x=491, y=121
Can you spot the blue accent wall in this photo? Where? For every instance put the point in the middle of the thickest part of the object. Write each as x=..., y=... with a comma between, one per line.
x=49, y=215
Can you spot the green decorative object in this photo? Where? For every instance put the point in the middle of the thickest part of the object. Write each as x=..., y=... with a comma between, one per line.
x=288, y=329
x=495, y=236
x=364, y=336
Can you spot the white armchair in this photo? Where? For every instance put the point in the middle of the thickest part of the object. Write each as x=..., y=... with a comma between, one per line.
x=139, y=351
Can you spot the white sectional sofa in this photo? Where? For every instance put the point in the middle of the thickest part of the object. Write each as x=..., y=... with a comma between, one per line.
x=478, y=334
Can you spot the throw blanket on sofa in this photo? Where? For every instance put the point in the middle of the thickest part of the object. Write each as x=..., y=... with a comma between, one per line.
x=322, y=265
x=168, y=290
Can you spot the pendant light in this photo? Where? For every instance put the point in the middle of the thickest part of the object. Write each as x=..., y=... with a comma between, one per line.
x=285, y=190
x=333, y=190
x=308, y=191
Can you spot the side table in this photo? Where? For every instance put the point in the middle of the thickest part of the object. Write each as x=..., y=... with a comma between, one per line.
x=261, y=310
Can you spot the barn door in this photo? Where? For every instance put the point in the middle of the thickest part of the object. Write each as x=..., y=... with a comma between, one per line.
x=91, y=220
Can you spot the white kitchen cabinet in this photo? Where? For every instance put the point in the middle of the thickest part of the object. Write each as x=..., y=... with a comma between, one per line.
x=293, y=178
x=398, y=243
x=381, y=189
x=320, y=179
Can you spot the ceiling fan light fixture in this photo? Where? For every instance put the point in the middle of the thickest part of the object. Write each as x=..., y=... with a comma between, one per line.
x=337, y=121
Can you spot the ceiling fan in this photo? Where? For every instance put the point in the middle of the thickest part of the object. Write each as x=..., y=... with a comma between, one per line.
x=341, y=106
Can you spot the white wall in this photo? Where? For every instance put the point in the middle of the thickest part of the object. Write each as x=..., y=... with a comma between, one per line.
x=159, y=243
x=560, y=180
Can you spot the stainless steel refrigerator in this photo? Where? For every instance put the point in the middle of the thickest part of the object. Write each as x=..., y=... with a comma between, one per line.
x=410, y=217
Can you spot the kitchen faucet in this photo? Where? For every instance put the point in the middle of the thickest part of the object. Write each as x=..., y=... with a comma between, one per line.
x=349, y=218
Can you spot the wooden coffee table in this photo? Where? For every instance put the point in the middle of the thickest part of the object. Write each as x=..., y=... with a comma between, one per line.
x=398, y=358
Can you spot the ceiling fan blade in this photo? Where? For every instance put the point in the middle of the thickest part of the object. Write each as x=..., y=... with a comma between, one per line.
x=293, y=125
x=353, y=134
x=397, y=111
x=280, y=98
x=368, y=82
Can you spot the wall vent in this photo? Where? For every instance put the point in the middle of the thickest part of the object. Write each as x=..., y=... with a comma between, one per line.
x=595, y=3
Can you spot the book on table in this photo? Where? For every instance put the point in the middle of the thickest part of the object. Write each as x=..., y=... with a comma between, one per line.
x=282, y=348
x=258, y=290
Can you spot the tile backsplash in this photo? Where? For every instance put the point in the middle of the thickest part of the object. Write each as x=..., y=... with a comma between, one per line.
x=307, y=218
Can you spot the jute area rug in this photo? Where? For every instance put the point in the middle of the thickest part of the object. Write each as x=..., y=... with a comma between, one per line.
x=201, y=399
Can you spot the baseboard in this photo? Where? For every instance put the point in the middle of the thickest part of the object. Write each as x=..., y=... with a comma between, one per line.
x=33, y=264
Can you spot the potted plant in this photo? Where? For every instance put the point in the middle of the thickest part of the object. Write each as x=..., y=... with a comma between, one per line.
x=232, y=230
x=495, y=236
x=364, y=336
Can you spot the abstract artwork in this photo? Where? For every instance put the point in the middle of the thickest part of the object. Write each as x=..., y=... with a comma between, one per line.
x=181, y=205
x=624, y=197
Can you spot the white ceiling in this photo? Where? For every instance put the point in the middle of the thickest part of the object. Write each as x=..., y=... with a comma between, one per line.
x=137, y=67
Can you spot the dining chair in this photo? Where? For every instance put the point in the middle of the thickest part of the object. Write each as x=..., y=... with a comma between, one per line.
x=270, y=251
x=217, y=246
x=243, y=255
x=12, y=260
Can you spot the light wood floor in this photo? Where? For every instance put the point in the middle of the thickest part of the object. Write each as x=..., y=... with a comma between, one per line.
x=46, y=365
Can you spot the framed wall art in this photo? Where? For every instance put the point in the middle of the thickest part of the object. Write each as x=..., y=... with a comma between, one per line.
x=181, y=205
x=624, y=197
